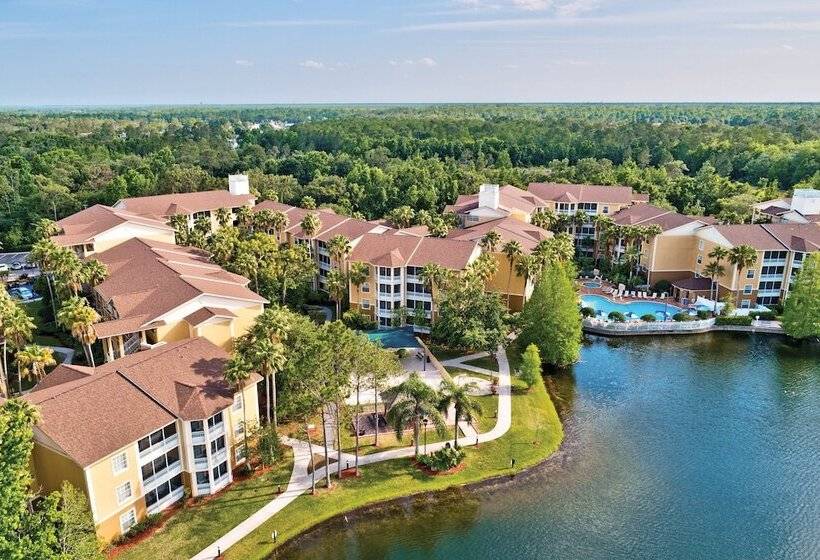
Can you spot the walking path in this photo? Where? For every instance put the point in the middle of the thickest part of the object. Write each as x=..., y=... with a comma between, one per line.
x=300, y=478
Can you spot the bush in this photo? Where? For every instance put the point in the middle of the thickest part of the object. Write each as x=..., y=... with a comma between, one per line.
x=728, y=306
x=443, y=459
x=587, y=312
x=142, y=526
x=530, y=366
x=648, y=317
x=662, y=286
x=358, y=321
x=703, y=314
x=317, y=316
x=766, y=315
x=681, y=317
x=401, y=353
x=617, y=316
x=777, y=308
x=740, y=320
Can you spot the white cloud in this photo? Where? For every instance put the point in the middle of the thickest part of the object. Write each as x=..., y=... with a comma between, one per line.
x=427, y=61
x=532, y=5
x=788, y=47
x=423, y=61
x=243, y=62
x=312, y=64
x=288, y=23
x=781, y=25
x=576, y=7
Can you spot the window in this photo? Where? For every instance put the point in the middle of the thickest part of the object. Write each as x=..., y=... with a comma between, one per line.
x=119, y=463
x=220, y=470
x=239, y=454
x=157, y=437
x=769, y=286
x=163, y=490
x=123, y=492
x=700, y=244
x=365, y=304
x=218, y=444
x=750, y=273
x=606, y=209
x=202, y=478
x=747, y=289
x=384, y=271
x=745, y=304
x=215, y=420
x=413, y=270
x=366, y=287
x=200, y=452
x=700, y=259
x=384, y=288
x=396, y=288
x=772, y=270
x=237, y=401
x=397, y=272
x=774, y=255
x=128, y=520
x=197, y=426
x=239, y=430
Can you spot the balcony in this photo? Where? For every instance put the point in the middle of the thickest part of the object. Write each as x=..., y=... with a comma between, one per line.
x=158, y=449
x=395, y=296
x=202, y=489
x=174, y=496
x=221, y=481
x=162, y=476
x=771, y=277
x=200, y=463
x=219, y=456
x=216, y=431
x=390, y=279
x=198, y=437
x=774, y=262
x=768, y=293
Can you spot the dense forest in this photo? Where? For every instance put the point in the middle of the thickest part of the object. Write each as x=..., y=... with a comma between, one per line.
x=368, y=159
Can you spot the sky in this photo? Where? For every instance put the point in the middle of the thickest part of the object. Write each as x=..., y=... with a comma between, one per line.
x=115, y=52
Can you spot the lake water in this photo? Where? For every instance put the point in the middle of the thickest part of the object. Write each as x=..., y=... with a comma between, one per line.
x=698, y=447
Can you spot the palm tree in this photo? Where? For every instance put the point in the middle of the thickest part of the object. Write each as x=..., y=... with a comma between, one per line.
x=43, y=253
x=359, y=273
x=78, y=317
x=528, y=266
x=336, y=282
x=490, y=241
x=438, y=227
x=339, y=247
x=223, y=217
x=713, y=270
x=237, y=372
x=512, y=250
x=310, y=225
x=279, y=221
x=269, y=353
x=401, y=217
x=544, y=218
x=633, y=257
x=718, y=254
x=180, y=224
x=742, y=256
x=465, y=405
x=94, y=272
x=18, y=329
x=244, y=218
x=563, y=249
x=33, y=361
x=68, y=269
x=414, y=400
x=45, y=228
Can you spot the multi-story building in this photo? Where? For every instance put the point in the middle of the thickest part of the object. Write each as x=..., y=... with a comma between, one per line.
x=99, y=228
x=138, y=433
x=193, y=205
x=395, y=282
x=492, y=203
x=158, y=293
x=803, y=207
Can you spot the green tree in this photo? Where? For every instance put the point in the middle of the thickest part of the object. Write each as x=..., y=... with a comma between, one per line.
x=76, y=316
x=237, y=373
x=18, y=328
x=530, y=365
x=414, y=400
x=713, y=270
x=76, y=535
x=33, y=360
x=336, y=283
x=512, y=250
x=742, y=256
x=801, y=311
x=551, y=319
x=465, y=406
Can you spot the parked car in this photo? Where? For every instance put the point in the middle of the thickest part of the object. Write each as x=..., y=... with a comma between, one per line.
x=17, y=265
x=31, y=264
x=22, y=292
x=4, y=268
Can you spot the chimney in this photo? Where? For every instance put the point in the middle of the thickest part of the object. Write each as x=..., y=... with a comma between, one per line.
x=806, y=201
x=238, y=184
x=489, y=196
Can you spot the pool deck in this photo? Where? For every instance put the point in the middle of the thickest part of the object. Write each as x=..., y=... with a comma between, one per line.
x=584, y=291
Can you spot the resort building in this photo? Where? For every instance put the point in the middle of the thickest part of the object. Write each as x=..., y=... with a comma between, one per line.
x=99, y=228
x=493, y=202
x=395, y=282
x=137, y=433
x=158, y=293
x=193, y=205
x=802, y=208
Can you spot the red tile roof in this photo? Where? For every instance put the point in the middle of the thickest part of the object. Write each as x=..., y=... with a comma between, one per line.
x=404, y=250
x=165, y=205
x=648, y=214
x=585, y=193
x=508, y=228
x=83, y=226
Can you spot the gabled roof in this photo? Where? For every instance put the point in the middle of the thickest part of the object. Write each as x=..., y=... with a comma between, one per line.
x=510, y=229
x=165, y=205
x=90, y=414
x=648, y=214
x=509, y=198
x=331, y=223
x=409, y=250
x=83, y=226
x=148, y=278
x=560, y=192
x=773, y=237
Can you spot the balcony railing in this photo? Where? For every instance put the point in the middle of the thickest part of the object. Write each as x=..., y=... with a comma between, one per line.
x=390, y=279
x=771, y=277
x=167, y=500
x=774, y=262
x=162, y=476
x=159, y=448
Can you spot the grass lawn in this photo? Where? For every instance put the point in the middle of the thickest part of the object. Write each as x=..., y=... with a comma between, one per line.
x=489, y=411
x=455, y=372
x=535, y=434
x=486, y=362
x=191, y=529
x=388, y=441
x=447, y=353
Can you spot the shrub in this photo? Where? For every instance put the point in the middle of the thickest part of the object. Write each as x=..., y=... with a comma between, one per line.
x=358, y=321
x=401, y=353
x=740, y=320
x=140, y=527
x=681, y=317
x=766, y=315
x=648, y=317
x=703, y=314
x=617, y=316
x=662, y=286
x=443, y=459
x=317, y=316
x=587, y=312
x=728, y=306
x=530, y=366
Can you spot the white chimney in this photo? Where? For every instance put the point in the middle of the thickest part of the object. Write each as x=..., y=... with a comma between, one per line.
x=489, y=196
x=806, y=201
x=238, y=184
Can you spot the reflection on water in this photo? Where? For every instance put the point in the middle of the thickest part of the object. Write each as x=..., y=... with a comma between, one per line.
x=679, y=447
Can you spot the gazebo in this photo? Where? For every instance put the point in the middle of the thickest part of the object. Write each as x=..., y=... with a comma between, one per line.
x=687, y=290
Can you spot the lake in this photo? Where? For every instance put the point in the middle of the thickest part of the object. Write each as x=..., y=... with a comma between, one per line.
x=695, y=447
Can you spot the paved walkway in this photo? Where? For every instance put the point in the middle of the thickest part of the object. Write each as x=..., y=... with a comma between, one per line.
x=300, y=479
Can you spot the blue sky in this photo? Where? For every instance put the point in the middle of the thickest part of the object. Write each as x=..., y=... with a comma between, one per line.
x=178, y=51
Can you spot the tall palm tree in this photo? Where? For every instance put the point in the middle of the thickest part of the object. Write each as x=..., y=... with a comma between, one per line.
x=45, y=228
x=336, y=282
x=742, y=256
x=512, y=250
x=339, y=248
x=7, y=309
x=94, y=272
x=270, y=330
x=490, y=241
x=68, y=270
x=43, y=253
x=237, y=372
x=279, y=221
x=563, y=248
x=528, y=266
x=414, y=400
x=718, y=254
x=465, y=405
x=310, y=224
x=544, y=218
x=713, y=270
x=18, y=329
x=78, y=317
x=33, y=360
x=359, y=273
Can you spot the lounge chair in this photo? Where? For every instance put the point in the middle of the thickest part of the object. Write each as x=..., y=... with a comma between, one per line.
x=654, y=295
x=663, y=295
x=632, y=293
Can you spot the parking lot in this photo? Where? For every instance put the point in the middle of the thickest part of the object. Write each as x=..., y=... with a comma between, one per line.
x=15, y=260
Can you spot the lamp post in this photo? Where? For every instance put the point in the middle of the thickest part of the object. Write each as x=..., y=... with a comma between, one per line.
x=425, y=421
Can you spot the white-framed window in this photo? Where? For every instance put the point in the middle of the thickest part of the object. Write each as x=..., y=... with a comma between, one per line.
x=747, y=289
x=365, y=304
x=119, y=463
x=237, y=401
x=239, y=431
x=606, y=209
x=750, y=273
x=239, y=454
x=366, y=287
x=700, y=244
x=700, y=259
x=745, y=304
x=123, y=492
x=128, y=520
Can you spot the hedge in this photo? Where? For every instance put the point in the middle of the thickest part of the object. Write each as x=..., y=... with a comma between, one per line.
x=740, y=320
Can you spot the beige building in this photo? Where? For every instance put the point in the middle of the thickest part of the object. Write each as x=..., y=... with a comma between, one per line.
x=99, y=228
x=803, y=207
x=158, y=293
x=193, y=205
x=138, y=434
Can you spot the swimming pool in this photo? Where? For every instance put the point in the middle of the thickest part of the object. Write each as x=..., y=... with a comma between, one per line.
x=603, y=306
x=592, y=284
x=394, y=338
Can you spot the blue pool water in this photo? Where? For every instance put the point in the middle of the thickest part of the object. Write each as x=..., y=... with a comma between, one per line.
x=394, y=338
x=603, y=306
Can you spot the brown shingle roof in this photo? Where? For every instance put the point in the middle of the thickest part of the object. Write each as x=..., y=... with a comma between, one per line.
x=695, y=284
x=508, y=228
x=83, y=226
x=750, y=234
x=403, y=250
x=127, y=399
x=164, y=205
x=148, y=278
x=648, y=214
x=584, y=193
x=509, y=198
x=201, y=315
x=804, y=238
